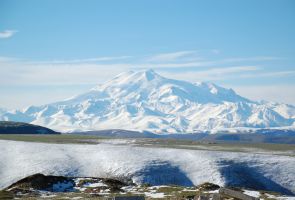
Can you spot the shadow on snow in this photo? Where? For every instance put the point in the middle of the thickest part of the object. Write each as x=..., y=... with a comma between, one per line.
x=245, y=176
x=163, y=173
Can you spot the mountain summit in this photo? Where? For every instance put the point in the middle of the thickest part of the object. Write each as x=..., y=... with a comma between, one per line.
x=145, y=100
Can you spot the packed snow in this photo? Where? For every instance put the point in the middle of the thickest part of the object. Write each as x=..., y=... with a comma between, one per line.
x=96, y=185
x=147, y=101
x=252, y=193
x=157, y=166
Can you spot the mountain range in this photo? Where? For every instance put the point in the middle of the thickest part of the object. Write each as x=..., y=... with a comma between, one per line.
x=147, y=101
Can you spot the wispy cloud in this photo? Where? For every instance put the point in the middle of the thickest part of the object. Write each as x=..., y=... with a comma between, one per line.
x=213, y=73
x=87, y=60
x=269, y=74
x=7, y=34
x=68, y=74
x=228, y=73
x=189, y=59
x=277, y=93
x=97, y=70
x=7, y=59
x=58, y=74
x=185, y=65
x=169, y=57
x=257, y=58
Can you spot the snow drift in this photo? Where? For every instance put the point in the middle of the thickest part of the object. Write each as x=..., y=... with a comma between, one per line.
x=147, y=165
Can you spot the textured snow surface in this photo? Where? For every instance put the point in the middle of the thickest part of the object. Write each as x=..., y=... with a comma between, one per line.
x=147, y=101
x=157, y=166
x=252, y=193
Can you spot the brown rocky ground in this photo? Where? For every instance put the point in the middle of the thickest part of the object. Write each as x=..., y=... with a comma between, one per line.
x=39, y=186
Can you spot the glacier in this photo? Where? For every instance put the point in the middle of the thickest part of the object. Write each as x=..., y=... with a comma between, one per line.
x=147, y=101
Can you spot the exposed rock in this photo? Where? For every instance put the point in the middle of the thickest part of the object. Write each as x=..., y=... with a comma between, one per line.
x=208, y=186
x=37, y=182
x=40, y=186
x=42, y=182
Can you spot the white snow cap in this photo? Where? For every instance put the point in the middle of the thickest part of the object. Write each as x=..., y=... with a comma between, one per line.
x=145, y=100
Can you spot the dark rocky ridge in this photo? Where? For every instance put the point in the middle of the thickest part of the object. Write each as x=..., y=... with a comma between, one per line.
x=61, y=183
x=40, y=182
x=9, y=127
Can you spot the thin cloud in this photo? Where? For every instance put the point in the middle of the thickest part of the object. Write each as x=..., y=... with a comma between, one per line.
x=257, y=58
x=7, y=34
x=277, y=93
x=187, y=60
x=7, y=59
x=183, y=65
x=169, y=57
x=67, y=74
x=270, y=74
x=87, y=60
x=95, y=70
x=213, y=73
x=59, y=74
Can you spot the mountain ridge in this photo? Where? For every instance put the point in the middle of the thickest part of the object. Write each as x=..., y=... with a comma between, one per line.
x=9, y=127
x=145, y=100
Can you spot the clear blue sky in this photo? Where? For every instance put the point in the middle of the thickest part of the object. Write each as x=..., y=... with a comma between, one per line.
x=58, y=48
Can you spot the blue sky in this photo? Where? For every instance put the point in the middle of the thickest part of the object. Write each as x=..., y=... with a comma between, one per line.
x=53, y=49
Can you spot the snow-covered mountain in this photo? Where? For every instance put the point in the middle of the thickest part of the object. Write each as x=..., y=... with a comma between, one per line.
x=147, y=101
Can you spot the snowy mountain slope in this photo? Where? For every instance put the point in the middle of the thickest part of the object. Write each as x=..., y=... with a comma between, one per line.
x=147, y=165
x=147, y=101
